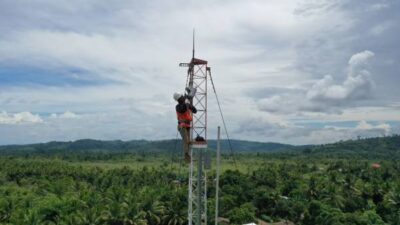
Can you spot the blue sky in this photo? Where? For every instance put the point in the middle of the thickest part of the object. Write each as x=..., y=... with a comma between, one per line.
x=299, y=72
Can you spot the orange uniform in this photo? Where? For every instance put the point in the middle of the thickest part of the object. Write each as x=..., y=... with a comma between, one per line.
x=184, y=119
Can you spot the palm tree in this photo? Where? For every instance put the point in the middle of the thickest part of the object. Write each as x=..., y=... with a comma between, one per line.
x=394, y=199
x=134, y=215
x=333, y=197
x=174, y=214
x=312, y=192
x=153, y=212
x=116, y=213
x=32, y=218
x=6, y=210
x=70, y=219
x=92, y=216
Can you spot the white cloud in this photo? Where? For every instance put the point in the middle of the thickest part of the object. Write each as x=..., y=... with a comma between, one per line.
x=65, y=115
x=19, y=118
x=326, y=95
x=359, y=59
x=378, y=6
x=259, y=128
x=381, y=28
x=363, y=125
x=358, y=84
x=362, y=129
x=274, y=104
x=326, y=89
x=111, y=125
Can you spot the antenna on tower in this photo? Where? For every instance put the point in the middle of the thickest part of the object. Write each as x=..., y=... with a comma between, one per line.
x=193, y=43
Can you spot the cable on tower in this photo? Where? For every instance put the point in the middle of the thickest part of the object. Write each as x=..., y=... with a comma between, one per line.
x=223, y=120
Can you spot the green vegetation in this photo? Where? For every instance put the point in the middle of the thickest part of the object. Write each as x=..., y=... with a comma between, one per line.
x=118, y=146
x=327, y=184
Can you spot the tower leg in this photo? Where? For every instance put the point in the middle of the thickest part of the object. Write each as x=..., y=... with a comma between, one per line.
x=197, y=208
x=190, y=194
x=199, y=185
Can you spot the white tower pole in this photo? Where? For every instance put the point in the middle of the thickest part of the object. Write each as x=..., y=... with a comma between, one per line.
x=217, y=178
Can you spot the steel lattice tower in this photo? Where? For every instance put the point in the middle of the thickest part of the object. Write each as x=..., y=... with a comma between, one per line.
x=198, y=73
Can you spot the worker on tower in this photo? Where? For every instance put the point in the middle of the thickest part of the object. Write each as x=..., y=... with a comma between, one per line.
x=184, y=110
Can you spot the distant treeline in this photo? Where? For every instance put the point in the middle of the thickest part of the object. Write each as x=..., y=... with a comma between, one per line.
x=369, y=148
x=118, y=146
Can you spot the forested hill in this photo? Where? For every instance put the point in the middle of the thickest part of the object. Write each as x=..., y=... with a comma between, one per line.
x=380, y=147
x=140, y=146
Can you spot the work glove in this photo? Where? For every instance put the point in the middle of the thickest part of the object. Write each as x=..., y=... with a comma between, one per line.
x=187, y=101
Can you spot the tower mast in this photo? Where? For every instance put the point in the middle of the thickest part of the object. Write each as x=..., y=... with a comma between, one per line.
x=193, y=44
x=198, y=73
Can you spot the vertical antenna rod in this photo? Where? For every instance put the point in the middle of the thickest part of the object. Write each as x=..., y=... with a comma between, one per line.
x=217, y=178
x=193, y=44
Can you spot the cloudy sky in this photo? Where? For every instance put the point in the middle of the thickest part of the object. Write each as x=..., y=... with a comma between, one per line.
x=298, y=72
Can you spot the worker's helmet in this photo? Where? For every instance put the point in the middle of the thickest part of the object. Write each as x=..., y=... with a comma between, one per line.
x=177, y=96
